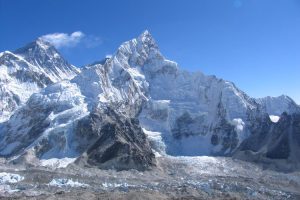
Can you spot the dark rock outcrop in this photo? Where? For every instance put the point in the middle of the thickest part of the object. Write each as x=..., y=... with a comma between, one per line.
x=274, y=144
x=115, y=142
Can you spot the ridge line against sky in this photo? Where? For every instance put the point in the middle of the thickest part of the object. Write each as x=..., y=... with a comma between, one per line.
x=253, y=43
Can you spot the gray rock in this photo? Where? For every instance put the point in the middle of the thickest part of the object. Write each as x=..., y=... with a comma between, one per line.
x=115, y=142
x=274, y=144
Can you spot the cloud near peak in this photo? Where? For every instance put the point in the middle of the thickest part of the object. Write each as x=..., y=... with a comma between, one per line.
x=60, y=40
x=63, y=39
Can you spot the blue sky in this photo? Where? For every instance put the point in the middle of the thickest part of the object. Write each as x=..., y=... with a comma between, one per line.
x=254, y=43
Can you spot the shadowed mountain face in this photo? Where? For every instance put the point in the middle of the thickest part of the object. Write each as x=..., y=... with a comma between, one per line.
x=105, y=114
x=277, y=143
x=117, y=142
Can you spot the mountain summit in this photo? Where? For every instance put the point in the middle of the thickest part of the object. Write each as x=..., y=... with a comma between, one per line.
x=26, y=71
x=42, y=54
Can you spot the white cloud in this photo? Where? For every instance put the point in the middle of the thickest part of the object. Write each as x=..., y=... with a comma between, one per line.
x=108, y=56
x=63, y=39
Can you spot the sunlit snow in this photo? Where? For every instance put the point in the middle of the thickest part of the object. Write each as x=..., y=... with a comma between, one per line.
x=274, y=118
x=61, y=182
x=10, y=178
x=56, y=162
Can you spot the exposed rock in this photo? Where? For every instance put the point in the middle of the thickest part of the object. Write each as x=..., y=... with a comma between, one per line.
x=115, y=142
x=277, y=144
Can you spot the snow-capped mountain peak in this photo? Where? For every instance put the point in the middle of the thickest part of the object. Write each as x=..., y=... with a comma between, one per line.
x=142, y=55
x=146, y=38
x=136, y=51
x=27, y=70
x=45, y=56
x=38, y=46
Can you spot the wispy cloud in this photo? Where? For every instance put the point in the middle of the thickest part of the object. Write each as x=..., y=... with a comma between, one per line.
x=61, y=40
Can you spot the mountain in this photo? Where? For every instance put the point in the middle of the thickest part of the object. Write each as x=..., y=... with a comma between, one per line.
x=27, y=70
x=121, y=143
x=276, y=143
x=195, y=114
x=120, y=112
x=278, y=105
x=49, y=125
x=47, y=59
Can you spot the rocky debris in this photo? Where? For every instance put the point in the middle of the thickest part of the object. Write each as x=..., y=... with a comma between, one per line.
x=174, y=178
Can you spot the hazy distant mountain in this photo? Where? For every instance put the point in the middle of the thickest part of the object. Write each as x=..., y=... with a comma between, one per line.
x=278, y=105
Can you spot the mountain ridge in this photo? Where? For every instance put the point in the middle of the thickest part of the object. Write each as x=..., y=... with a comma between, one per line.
x=26, y=71
x=179, y=112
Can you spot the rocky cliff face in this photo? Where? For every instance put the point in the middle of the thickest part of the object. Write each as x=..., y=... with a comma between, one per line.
x=108, y=112
x=117, y=142
x=276, y=143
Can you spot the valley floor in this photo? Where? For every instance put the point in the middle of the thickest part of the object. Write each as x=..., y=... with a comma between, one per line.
x=173, y=178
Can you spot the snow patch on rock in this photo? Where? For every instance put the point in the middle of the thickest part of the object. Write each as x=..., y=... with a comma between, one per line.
x=116, y=185
x=239, y=125
x=274, y=118
x=7, y=189
x=62, y=182
x=56, y=162
x=10, y=178
x=156, y=142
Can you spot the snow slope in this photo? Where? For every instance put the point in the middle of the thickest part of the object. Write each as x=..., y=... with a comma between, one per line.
x=46, y=123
